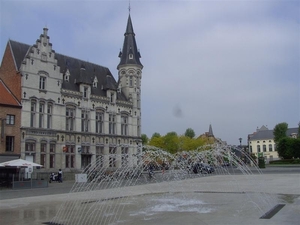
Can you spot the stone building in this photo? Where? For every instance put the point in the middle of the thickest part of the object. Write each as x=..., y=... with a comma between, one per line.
x=75, y=112
x=262, y=143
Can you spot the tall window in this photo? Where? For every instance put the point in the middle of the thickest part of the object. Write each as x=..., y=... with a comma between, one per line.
x=49, y=116
x=32, y=114
x=41, y=115
x=124, y=124
x=270, y=148
x=112, y=124
x=52, y=155
x=42, y=83
x=99, y=122
x=99, y=156
x=130, y=81
x=112, y=98
x=70, y=156
x=84, y=121
x=264, y=148
x=43, y=154
x=124, y=152
x=30, y=146
x=112, y=157
x=85, y=92
x=10, y=119
x=9, y=143
x=258, y=148
x=70, y=118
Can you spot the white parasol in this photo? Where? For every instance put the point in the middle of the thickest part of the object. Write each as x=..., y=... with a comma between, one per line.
x=19, y=163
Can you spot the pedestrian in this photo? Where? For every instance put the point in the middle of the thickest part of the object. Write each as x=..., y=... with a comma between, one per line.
x=59, y=176
x=163, y=167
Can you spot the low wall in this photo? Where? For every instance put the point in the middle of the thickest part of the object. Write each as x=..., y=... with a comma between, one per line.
x=30, y=184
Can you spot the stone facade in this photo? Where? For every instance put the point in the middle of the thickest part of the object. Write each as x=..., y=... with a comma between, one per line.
x=74, y=112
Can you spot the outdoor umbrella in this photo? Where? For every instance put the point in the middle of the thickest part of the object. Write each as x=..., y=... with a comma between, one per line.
x=19, y=163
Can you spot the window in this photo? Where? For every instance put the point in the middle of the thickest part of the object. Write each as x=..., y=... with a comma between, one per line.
x=270, y=148
x=85, y=92
x=264, y=148
x=32, y=114
x=99, y=122
x=30, y=146
x=112, y=124
x=52, y=155
x=124, y=124
x=99, y=156
x=49, y=116
x=130, y=56
x=43, y=154
x=9, y=143
x=258, y=148
x=130, y=81
x=42, y=83
x=41, y=115
x=124, y=152
x=112, y=98
x=112, y=156
x=84, y=121
x=70, y=156
x=70, y=118
x=10, y=119
x=250, y=148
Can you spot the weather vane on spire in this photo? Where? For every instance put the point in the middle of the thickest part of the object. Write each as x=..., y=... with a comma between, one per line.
x=129, y=7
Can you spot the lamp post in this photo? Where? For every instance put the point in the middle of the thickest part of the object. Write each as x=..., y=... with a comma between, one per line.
x=240, y=139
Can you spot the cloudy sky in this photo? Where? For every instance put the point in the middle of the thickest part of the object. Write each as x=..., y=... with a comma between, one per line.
x=232, y=64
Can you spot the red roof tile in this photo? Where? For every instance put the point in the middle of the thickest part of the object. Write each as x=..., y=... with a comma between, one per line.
x=6, y=97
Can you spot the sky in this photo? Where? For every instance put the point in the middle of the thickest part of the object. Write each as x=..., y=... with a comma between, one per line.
x=232, y=64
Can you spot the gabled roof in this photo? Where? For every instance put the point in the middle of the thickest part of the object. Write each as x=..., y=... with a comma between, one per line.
x=81, y=72
x=6, y=96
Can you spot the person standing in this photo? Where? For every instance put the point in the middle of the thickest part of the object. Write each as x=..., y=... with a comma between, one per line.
x=60, y=176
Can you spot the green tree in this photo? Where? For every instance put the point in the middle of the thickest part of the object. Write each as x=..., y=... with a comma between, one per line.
x=171, y=142
x=284, y=148
x=280, y=131
x=145, y=139
x=189, y=133
x=155, y=135
x=157, y=142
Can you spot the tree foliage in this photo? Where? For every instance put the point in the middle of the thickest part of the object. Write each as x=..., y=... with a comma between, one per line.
x=288, y=148
x=173, y=143
x=280, y=131
x=145, y=139
x=189, y=133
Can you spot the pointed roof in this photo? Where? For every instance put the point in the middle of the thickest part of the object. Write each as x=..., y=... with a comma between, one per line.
x=130, y=53
x=6, y=96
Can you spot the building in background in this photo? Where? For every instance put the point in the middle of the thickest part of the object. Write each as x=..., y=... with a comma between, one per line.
x=74, y=112
x=261, y=142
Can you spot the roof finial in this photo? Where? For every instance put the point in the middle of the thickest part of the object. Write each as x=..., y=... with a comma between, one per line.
x=129, y=7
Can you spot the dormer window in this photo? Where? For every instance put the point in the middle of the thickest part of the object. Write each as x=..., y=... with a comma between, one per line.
x=95, y=82
x=112, y=98
x=85, y=92
x=130, y=56
x=67, y=75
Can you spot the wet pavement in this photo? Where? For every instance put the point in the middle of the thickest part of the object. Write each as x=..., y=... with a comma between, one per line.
x=217, y=199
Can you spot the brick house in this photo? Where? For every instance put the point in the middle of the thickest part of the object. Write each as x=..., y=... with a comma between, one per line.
x=10, y=121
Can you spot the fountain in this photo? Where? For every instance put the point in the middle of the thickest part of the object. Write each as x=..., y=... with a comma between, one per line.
x=129, y=194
